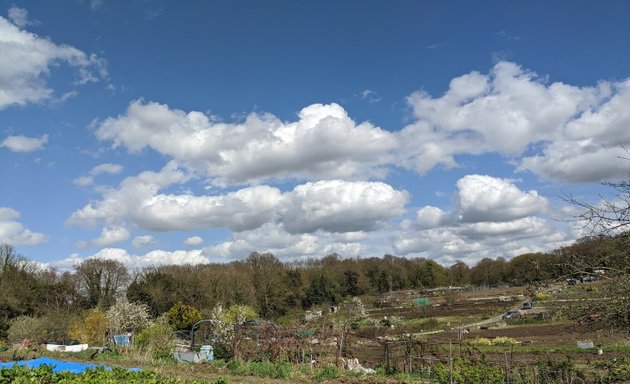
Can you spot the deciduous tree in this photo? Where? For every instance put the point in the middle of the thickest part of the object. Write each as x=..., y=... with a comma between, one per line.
x=100, y=281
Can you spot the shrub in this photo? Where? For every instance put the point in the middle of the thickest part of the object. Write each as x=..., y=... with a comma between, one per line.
x=504, y=341
x=157, y=340
x=182, y=316
x=92, y=328
x=481, y=341
x=125, y=315
x=465, y=371
x=26, y=327
x=329, y=372
x=542, y=296
x=499, y=341
x=239, y=314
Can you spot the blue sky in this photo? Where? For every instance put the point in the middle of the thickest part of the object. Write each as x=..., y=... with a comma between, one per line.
x=161, y=132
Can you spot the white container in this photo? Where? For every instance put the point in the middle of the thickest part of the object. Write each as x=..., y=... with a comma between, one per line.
x=585, y=344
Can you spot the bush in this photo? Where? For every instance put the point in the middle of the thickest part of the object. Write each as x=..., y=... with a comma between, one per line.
x=239, y=314
x=157, y=340
x=497, y=341
x=92, y=328
x=125, y=315
x=542, y=296
x=272, y=370
x=261, y=369
x=26, y=327
x=182, y=316
x=469, y=372
x=329, y=372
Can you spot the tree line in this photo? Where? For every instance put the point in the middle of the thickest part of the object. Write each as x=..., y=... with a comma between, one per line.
x=276, y=290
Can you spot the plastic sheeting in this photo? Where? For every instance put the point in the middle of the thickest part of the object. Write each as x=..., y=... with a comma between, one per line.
x=58, y=365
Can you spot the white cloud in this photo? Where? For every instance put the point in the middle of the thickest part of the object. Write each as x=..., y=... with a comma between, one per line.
x=24, y=144
x=244, y=209
x=127, y=201
x=193, y=240
x=286, y=246
x=556, y=130
x=331, y=206
x=491, y=217
x=323, y=143
x=370, y=96
x=97, y=170
x=592, y=143
x=112, y=235
x=83, y=181
x=486, y=198
x=338, y=206
x=573, y=132
x=106, y=168
x=432, y=217
x=27, y=59
x=144, y=241
x=13, y=232
x=19, y=17
x=150, y=259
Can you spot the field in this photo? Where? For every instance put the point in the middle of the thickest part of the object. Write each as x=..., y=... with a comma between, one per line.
x=404, y=339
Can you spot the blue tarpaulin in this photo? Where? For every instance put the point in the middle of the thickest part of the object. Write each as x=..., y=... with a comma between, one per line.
x=58, y=365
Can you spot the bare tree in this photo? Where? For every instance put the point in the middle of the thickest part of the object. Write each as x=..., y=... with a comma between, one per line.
x=99, y=281
x=608, y=216
x=607, y=250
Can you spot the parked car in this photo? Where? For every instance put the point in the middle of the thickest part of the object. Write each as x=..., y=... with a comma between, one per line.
x=511, y=314
x=527, y=305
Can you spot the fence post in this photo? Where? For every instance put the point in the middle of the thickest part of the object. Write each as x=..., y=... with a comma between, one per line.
x=450, y=360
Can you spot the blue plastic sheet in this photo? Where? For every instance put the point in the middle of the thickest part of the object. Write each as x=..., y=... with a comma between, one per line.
x=58, y=365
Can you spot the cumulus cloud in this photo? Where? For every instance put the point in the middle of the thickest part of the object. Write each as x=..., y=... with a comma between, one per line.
x=486, y=198
x=193, y=240
x=491, y=217
x=432, y=217
x=112, y=235
x=557, y=130
x=108, y=236
x=287, y=246
x=331, y=206
x=97, y=170
x=27, y=60
x=132, y=261
x=144, y=241
x=592, y=143
x=24, y=144
x=323, y=143
x=574, y=132
x=240, y=210
x=13, y=232
x=127, y=200
x=338, y=206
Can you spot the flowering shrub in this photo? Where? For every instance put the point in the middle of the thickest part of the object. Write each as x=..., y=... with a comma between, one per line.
x=125, y=315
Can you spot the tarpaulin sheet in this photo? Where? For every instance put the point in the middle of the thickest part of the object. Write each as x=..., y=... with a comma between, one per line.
x=58, y=365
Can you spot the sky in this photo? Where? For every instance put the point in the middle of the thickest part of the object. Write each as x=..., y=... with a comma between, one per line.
x=168, y=132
